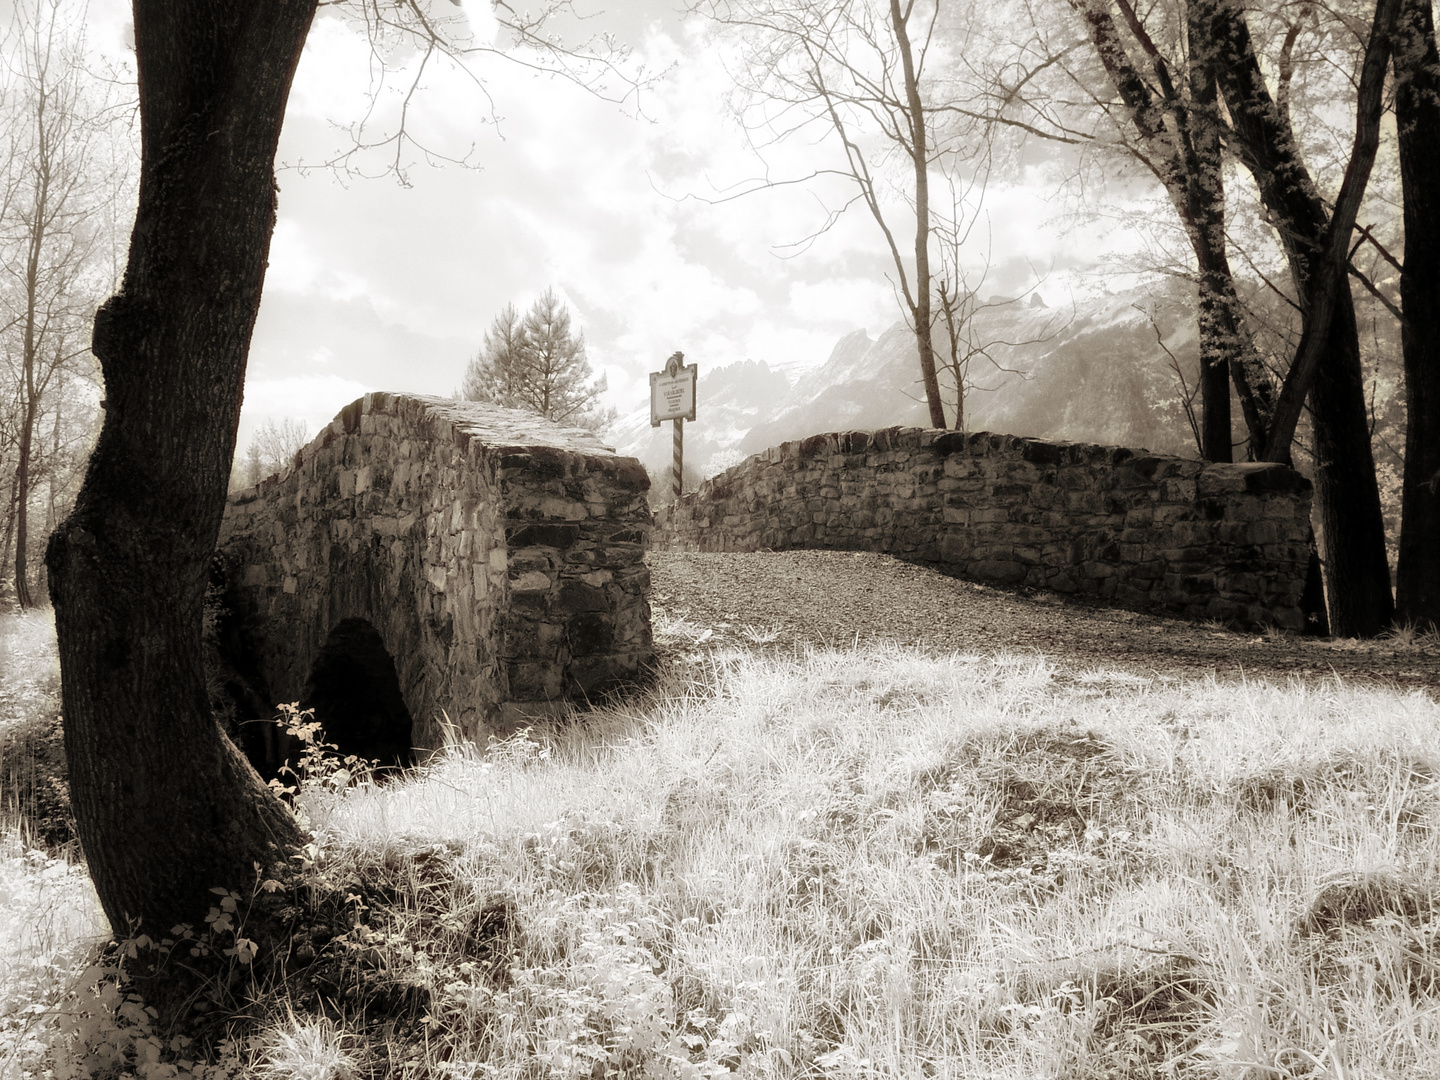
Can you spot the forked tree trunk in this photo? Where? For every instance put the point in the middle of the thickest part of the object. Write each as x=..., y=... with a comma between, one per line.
x=1347, y=497
x=1417, y=119
x=1179, y=129
x=166, y=807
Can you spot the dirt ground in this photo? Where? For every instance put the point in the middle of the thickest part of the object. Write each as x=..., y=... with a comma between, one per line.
x=794, y=598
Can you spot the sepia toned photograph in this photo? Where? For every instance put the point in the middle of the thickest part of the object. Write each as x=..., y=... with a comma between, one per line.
x=706, y=539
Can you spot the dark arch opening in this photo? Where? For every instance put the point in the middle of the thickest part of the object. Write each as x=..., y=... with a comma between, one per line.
x=356, y=696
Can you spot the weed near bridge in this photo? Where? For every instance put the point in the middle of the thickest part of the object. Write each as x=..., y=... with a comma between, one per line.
x=855, y=863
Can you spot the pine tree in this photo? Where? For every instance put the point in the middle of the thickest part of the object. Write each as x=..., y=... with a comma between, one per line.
x=537, y=364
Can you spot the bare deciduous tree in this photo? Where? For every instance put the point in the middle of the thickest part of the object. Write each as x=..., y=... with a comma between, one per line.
x=271, y=448
x=57, y=183
x=875, y=76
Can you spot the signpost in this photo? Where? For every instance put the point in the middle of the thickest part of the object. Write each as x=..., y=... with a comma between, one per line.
x=672, y=397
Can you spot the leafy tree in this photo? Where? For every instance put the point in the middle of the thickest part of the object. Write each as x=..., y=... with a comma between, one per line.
x=1189, y=84
x=1326, y=367
x=1169, y=120
x=539, y=365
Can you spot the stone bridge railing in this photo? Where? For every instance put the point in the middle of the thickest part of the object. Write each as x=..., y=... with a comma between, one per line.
x=500, y=558
x=1163, y=534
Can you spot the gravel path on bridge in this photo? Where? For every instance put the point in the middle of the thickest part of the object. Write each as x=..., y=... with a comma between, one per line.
x=784, y=599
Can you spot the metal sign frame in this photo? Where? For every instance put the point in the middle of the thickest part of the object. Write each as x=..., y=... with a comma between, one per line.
x=672, y=391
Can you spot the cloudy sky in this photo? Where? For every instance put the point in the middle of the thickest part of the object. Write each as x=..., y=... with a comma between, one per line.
x=375, y=285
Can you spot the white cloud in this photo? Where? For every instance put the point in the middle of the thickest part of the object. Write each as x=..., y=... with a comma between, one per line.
x=313, y=399
x=376, y=285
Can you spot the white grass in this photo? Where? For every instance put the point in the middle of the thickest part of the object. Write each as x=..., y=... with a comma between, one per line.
x=797, y=852
x=50, y=926
x=857, y=863
x=29, y=670
x=307, y=1050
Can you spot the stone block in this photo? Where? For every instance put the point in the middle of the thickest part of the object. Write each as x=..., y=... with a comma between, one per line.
x=1262, y=532
x=576, y=596
x=535, y=680
x=1001, y=571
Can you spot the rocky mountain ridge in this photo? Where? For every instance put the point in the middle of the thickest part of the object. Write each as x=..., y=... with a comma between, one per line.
x=1098, y=371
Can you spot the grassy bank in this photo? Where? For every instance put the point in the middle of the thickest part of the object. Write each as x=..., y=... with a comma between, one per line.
x=873, y=862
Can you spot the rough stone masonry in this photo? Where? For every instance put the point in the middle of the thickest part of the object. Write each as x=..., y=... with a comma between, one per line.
x=1162, y=534
x=499, y=556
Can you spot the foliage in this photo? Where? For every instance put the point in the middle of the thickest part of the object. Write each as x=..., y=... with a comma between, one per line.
x=537, y=364
x=34, y=793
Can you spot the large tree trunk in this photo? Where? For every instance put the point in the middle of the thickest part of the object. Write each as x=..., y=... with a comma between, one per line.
x=1347, y=497
x=1417, y=118
x=1346, y=493
x=165, y=805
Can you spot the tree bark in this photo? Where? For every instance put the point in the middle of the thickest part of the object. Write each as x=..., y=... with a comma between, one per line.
x=23, y=596
x=920, y=159
x=1181, y=136
x=9, y=526
x=1347, y=497
x=1417, y=119
x=165, y=805
x=39, y=219
x=1205, y=199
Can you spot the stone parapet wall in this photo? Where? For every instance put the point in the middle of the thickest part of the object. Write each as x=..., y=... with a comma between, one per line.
x=500, y=557
x=1141, y=531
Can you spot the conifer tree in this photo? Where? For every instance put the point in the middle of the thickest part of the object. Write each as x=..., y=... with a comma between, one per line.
x=537, y=364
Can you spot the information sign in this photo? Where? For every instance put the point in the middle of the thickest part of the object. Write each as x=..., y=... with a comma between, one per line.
x=672, y=391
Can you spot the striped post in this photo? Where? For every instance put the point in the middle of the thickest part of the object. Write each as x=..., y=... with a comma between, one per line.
x=678, y=468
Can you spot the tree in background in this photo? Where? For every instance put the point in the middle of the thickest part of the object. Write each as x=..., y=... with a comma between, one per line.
x=1183, y=87
x=59, y=182
x=1168, y=118
x=537, y=364
x=1317, y=241
x=863, y=72
x=272, y=447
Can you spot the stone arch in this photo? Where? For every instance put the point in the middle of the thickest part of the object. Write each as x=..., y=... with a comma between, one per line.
x=355, y=693
x=499, y=557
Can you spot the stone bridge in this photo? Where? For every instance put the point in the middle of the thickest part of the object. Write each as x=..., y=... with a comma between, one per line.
x=426, y=557
x=1130, y=528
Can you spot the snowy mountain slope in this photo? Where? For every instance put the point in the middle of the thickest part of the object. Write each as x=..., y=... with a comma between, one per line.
x=1094, y=373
